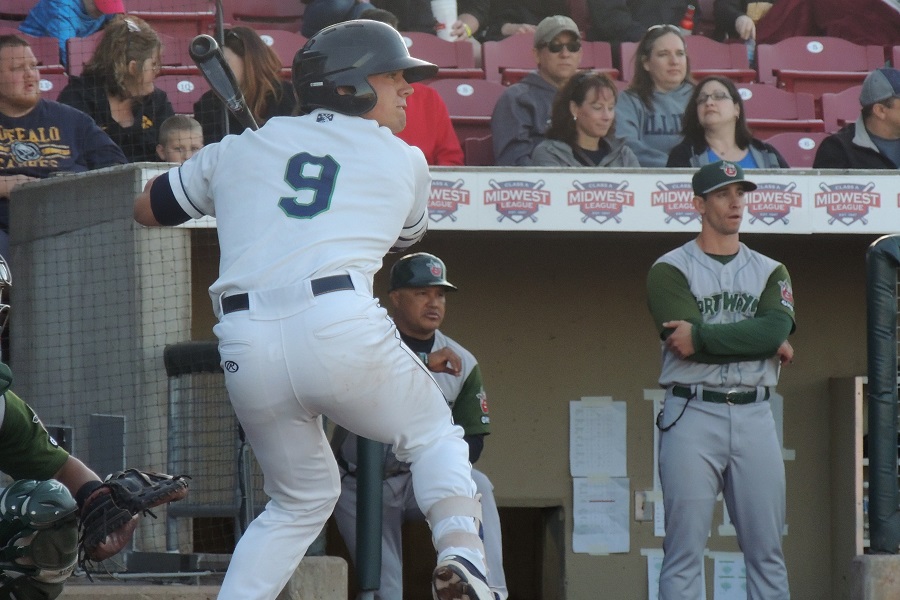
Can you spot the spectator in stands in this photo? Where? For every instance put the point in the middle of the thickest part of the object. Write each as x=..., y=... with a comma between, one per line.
x=116, y=87
x=582, y=127
x=180, y=137
x=27, y=151
x=873, y=141
x=522, y=113
x=413, y=15
x=650, y=111
x=715, y=128
x=257, y=70
x=512, y=17
x=627, y=20
x=737, y=19
x=860, y=21
x=428, y=125
x=64, y=19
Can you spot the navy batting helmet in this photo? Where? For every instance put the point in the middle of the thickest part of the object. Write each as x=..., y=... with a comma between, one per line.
x=343, y=56
x=419, y=270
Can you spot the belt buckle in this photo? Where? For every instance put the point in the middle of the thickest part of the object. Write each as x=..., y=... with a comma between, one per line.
x=730, y=395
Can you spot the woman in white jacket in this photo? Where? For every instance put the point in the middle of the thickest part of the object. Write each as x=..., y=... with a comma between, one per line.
x=582, y=127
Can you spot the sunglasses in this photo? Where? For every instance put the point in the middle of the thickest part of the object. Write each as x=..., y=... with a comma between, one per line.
x=556, y=47
x=717, y=96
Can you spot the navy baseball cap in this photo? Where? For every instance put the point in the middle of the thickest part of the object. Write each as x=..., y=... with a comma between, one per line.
x=717, y=175
x=880, y=85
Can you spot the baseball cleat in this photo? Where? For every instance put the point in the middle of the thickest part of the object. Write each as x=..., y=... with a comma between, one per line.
x=455, y=578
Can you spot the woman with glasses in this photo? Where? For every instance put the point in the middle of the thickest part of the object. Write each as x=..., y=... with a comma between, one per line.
x=649, y=112
x=257, y=70
x=116, y=88
x=582, y=125
x=715, y=128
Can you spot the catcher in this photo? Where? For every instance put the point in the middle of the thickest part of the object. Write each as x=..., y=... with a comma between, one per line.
x=55, y=495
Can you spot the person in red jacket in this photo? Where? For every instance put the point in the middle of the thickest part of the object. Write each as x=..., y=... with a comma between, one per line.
x=428, y=125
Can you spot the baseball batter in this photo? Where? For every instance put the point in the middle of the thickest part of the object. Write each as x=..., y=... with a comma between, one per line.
x=418, y=289
x=724, y=313
x=306, y=208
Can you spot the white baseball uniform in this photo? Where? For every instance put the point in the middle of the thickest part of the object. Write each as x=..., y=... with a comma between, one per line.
x=306, y=209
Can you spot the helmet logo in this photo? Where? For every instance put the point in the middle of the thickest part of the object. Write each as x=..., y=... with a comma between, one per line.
x=436, y=269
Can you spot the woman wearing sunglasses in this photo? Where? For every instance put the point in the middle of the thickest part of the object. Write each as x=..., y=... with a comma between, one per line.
x=582, y=125
x=715, y=128
x=649, y=112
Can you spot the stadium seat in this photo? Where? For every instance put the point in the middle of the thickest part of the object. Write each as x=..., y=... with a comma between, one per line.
x=707, y=56
x=46, y=50
x=455, y=60
x=183, y=91
x=285, y=44
x=895, y=57
x=52, y=84
x=176, y=56
x=470, y=103
x=16, y=10
x=771, y=110
x=175, y=17
x=798, y=147
x=265, y=14
x=816, y=65
x=479, y=151
x=840, y=108
x=80, y=51
x=511, y=58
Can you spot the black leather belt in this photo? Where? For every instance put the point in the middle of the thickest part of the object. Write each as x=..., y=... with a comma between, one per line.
x=322, y=285
x=730, y=397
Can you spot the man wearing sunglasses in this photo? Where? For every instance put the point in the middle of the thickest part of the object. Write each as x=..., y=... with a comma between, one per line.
x=522, y=113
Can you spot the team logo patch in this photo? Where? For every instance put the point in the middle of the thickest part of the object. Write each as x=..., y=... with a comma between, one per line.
x=847, y=202
x=787, y=294
x=517, y=200
x=729, y=169
x=482, y=398
x=445, y=199
x=677, y=201
x=53, y=442
x=601, y=201
x=230, y=366
x=324, y=117
x=772, y=202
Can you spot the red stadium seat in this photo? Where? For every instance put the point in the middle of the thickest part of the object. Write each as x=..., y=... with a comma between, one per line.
x=816, y=65
x=707, y=56
x=46, y=50
x=840, y=108
x=80, y=51
x=470, y=103
x=52, y=84
x=285, y=44
x=511, y=58
x=798, y=147
x=265, y=14
x=479, y=152
x=771, y=110
x=181, y=17
x=183, y=91
x=16, y=10
x=176, y=56
x=455, y=60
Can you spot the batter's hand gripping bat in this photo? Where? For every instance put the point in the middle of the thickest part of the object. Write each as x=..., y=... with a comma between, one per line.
x=209, y=59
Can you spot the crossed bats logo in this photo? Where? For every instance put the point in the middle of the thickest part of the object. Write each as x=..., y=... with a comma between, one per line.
x=773, y=202
x=600, y=201
x=676, y=200
x=847, y=202
x=517, y=200
x=445, y=199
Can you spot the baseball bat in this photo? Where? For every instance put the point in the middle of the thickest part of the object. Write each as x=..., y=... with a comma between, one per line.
x=208, y=57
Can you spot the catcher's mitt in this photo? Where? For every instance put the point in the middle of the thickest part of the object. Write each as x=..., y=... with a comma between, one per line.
x=109, y=515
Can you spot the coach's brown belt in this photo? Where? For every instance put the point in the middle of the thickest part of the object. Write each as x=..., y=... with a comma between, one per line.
x=322, y=285
x=730, y=397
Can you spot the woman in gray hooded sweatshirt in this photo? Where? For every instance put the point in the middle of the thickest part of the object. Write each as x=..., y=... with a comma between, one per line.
x=650, y=112
x=582, y=125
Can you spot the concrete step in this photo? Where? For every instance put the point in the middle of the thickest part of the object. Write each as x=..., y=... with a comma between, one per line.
x=317, y=578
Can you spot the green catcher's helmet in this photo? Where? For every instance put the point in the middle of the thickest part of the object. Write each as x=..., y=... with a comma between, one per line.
x=419, y=270
x=38, y=530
